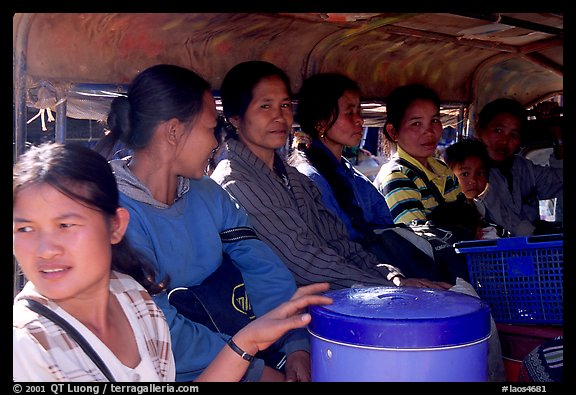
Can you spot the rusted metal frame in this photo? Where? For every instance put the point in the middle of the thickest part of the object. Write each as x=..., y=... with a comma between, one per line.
x=60, y=125
x=450, y=38
x=542, y=45
x=19, y=82
x=19, y=59
x=544, y=97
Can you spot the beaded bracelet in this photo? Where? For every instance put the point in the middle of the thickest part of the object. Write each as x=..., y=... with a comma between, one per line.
x=239, y=351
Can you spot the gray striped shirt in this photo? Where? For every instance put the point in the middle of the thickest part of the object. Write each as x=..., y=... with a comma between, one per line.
x=292, y=220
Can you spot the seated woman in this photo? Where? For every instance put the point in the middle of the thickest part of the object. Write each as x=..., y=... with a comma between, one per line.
x=469, y=160
x=329, y=115
x=516, y=183
x=414, y=181
x=285, y=207
x=69, y=241
x=181, y=220
x=85, y=282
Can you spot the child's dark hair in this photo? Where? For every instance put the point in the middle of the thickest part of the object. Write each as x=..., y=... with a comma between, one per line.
x=86, y=177
x=462, y=149
x=401, y=98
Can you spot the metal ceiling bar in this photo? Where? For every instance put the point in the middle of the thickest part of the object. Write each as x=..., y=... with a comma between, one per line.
x=60, y=126
x=545, y=62
x=506, y=20
x=542, y=45
x=449, y=38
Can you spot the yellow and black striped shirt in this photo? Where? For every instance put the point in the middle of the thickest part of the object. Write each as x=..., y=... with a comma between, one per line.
x=405, y=191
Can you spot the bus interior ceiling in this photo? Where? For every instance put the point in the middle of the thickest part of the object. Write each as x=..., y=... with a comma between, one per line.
x=73, y=64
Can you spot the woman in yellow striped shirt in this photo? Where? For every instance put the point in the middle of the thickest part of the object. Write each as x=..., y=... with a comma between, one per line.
x=414, y=181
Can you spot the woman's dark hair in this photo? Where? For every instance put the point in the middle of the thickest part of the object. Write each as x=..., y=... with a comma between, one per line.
x=318, y=103
x=401, y=98
x=318, y=100
x=460, y=150
x=238, y=85
x=156, y=95
x=502, y=105
x=86, y=177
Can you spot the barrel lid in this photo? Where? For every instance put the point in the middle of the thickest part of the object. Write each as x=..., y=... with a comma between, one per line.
x=401, y=317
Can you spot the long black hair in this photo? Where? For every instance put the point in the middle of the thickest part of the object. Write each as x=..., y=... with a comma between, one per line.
x=318, y=105
x=156, y=95
x=86, y=177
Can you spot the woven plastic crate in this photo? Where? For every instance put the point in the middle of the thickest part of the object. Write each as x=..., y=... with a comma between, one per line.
x=519, y=277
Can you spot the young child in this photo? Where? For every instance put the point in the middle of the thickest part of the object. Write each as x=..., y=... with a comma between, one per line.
x=470, y=162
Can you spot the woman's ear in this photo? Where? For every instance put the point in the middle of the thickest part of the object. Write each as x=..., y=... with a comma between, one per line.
x=234, y=121
x=478, y=132
x=172, y=131
x=391, y=131
x=118, y=225
x=320, y=127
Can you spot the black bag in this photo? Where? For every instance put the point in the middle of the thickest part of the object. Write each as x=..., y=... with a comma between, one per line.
x=221, y=303
x=393, y=248
x=451, y=265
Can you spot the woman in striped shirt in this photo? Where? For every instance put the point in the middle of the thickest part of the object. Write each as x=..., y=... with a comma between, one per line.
x=414, y=181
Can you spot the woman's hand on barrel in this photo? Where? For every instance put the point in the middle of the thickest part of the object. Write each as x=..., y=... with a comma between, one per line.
x=265, y=330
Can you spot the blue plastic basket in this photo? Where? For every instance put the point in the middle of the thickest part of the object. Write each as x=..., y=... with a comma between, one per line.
x=519, y=277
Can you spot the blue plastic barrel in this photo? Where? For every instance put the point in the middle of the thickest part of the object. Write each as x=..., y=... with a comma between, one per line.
x=399, y=334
